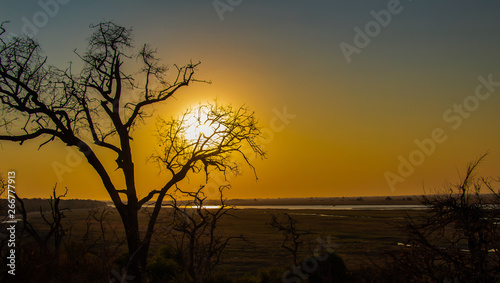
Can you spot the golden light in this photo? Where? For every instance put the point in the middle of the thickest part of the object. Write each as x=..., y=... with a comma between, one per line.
x=200, y=125
x=204, y=206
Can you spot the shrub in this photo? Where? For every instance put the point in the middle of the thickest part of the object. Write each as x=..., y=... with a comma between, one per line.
x=333, y=269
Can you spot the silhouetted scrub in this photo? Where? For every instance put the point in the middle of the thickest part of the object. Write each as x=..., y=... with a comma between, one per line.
x=333, y=269
x=165, y=266
x=459, y=238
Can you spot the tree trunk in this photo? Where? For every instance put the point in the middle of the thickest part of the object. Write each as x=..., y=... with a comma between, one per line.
x=135, y=267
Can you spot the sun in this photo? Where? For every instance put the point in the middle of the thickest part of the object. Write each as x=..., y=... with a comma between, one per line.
x=198, y=125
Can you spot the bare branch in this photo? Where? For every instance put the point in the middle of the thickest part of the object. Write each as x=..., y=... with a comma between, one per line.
x=147, y=198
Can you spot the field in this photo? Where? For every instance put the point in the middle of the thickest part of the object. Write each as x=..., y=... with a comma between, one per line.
x=360, y=237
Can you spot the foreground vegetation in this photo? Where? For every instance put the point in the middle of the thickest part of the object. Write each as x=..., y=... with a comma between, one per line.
x=364, y=240
x=455, y=239
x=90, y=254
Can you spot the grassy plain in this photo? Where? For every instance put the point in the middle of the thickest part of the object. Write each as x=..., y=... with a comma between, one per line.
x=360, y=236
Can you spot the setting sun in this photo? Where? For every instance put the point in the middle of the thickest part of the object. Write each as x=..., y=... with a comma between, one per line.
x=201, y=124
x=198, y=126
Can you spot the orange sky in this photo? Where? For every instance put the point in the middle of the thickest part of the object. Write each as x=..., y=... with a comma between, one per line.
x=348, y=125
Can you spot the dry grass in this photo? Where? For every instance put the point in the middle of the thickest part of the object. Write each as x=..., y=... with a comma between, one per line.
x=360, y=236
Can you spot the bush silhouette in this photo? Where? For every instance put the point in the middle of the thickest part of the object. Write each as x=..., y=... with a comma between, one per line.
x=165, y=265
x=333, y=269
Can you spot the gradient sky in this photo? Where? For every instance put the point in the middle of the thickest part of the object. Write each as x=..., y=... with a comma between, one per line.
x=353, y=121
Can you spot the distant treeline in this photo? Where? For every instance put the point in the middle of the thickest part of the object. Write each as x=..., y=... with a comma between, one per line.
x=33, y=205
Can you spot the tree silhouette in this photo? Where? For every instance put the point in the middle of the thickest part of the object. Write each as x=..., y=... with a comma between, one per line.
x=103, y=102
x=458, y=237
x=287, y=225
x=195, y=230
x=54, y=222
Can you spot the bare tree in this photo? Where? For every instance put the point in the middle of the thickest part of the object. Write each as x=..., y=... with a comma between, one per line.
x=54, y=222
x=194, y=228
x=458, y=237
x=287, y=225
x=104, y=102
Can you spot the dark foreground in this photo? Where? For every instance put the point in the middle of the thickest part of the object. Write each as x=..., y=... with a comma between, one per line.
x=361, y=238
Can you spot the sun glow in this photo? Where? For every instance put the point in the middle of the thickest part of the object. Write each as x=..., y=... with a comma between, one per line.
x=200, y=125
